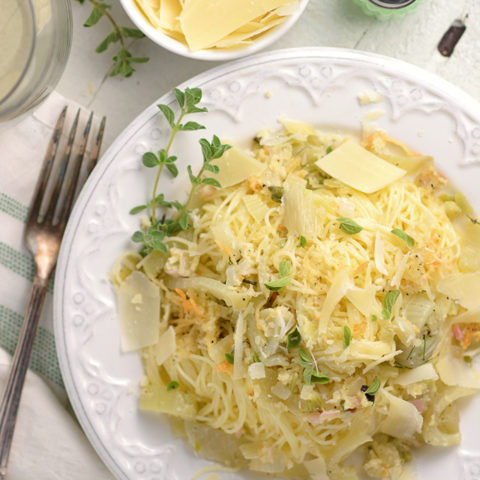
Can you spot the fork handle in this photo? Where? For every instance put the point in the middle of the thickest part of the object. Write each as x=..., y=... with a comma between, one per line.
x=18, y=370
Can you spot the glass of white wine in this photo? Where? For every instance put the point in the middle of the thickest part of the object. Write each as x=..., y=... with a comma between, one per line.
x=35, y=39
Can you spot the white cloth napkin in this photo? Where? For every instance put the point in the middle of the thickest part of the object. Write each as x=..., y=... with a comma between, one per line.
x=48, y=444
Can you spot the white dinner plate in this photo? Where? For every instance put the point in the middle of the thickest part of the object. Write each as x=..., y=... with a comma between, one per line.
x=316, y=85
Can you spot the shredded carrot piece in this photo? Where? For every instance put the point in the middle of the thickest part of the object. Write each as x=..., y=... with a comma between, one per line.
x=186, y=305
x=223, y=367
x=282, y=228
x=227, y=251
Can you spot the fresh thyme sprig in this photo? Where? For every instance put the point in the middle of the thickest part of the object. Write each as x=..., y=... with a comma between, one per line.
x=153, y=236
x=123, y=59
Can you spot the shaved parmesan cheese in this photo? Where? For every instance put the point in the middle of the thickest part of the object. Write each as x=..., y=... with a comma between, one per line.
x=139, y=312
x=363, y=299
x=396, y=152
x=153, y=263
x=379, y=254
x=205, y=22
x=471, y=316
x=169, y=13
x=256, y=370
x=340, y=286
x=462, y=287
x=235, y=166
x=454, y=371
x=300, y=212
x=166, y=345
x=358, y=434
x=256, y=207
x=358, y=168
x=419, y=374
x=397, y=278
x=403, y=419
x=317, y=469
x=223, y=233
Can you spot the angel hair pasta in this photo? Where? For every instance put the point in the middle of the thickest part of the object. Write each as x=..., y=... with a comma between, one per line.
x=323, y=303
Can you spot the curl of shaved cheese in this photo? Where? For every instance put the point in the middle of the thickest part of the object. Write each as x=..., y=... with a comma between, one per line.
x=402, y=266
x=166, y=345
x=300, y=216
x=462, y=287
x=235, y=166
x=359, y=434
x=256, y=370
x=456, y=372
x=139, y=312
x=441, y=424
x=340, y=286
x=223, y=233
x=358, y=168
x=363, y=299
x=470, y=316
x=420, y=374
x=256, y=207
x=317, y=469
x=403, y=420
x=379, y=254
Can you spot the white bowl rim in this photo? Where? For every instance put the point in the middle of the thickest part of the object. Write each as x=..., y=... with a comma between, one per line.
x=175, y=46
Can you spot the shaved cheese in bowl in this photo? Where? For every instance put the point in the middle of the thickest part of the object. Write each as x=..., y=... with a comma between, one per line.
x=214, y=30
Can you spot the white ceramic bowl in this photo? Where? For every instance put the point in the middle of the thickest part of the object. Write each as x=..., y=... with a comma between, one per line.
x=175, y=46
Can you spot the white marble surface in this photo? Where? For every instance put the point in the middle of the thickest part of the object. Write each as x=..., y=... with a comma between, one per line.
x=335, y=23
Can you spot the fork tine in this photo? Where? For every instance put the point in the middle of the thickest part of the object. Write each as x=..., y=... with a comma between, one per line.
x=46, y=168
x=74, y=176
x=96, y=147
x=62, y=169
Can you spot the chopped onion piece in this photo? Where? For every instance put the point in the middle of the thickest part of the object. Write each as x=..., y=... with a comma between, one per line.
x=256, y=370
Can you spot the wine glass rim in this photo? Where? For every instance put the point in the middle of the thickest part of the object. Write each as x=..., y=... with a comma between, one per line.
x=33, y=29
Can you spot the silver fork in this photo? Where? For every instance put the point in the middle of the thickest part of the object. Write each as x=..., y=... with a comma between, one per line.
x=43, y=234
